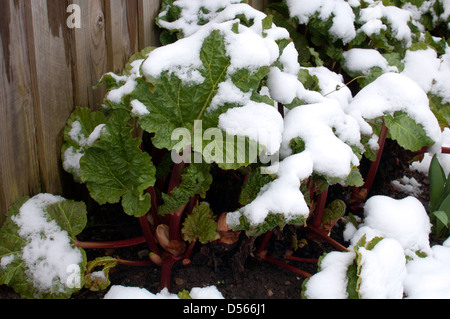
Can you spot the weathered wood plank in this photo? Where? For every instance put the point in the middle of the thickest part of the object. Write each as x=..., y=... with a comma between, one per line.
x=148, y=34
x=89, y=52
x=51, y=74
x=258, y=4
x=121, y=32
x=19, y=167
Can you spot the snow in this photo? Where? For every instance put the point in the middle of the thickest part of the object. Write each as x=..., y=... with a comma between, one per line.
x=362, y=60
x=331, y=281
x=71, y=157
x=121, y=292
x=442, y=78
x=314, y=124
x=339, y=10
x=383, y=270
x=138, y=108
x=48, y=251
x=444, y=159
x=281, y=196
x=191, y=12
x=371, y=18
x=259, y=122
x=391, y=269
x=116, y=95
x=246, y=49
x=422, y=67
x=404, y=220
x=429, y=277
x=392, y=92
x=408, y=185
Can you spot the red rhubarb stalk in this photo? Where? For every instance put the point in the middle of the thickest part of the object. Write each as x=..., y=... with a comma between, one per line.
x=111, y=244
x=374, y=166
x=287, y=266
x=148, y=235
x=166, y=271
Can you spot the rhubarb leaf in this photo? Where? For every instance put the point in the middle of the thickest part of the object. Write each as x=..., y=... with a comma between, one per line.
x=191, y=103
x=81, y=131
x=195, y=180
x=407, y=132
x=200, y=225
x=115, y=167
x=37, y=255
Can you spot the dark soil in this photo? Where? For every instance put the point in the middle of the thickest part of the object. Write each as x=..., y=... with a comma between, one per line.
x=234, y=270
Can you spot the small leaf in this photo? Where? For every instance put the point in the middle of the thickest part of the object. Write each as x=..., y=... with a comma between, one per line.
x=407, y=132
x=99, y=280
x=195, y=180
x=200, y=225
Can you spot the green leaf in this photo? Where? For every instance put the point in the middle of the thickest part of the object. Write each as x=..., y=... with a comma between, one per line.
x=177, y=107
x=407, y=132
x=24, y=250
x=115, y=167
x=252, y=186
x=441, y=224
x=99, y=280
x=437, y=180
x=79, y=128
x=173, y=105
x=195, y=180
x=200, y=225
x=445, y=204
x=335, y=210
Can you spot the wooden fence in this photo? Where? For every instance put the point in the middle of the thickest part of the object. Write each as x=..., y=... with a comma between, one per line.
x=47, y=67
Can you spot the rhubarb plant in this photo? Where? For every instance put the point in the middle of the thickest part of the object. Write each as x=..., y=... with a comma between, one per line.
x=38, y=256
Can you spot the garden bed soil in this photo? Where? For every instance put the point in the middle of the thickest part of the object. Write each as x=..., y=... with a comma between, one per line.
x=234, y=270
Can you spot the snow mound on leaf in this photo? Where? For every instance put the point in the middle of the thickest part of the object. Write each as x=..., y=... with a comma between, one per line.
x=390, y=93
x=404, y=220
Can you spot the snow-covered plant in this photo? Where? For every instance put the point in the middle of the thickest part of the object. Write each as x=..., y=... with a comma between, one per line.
x=38, y=257
x=387, y=249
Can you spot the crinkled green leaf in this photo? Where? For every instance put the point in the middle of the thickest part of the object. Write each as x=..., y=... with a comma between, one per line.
x=99, y=280
x=79, y=128
x=335, y=210
x=440, y=110
x=252, y=186
x=195, y=180
x=200, y=225
x=271, y=221
x=407, y=132
x=115, y=167
x=68, y=217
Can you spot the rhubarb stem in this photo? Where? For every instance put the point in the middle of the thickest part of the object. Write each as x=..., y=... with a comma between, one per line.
x=148, y=235
x=287, y=266
x=111, y=244
x=318, y=214
x=374, y=166
x=144, y=263
x=166, y=271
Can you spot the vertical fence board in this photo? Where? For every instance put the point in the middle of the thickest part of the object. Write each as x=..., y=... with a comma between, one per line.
x=121, y=32
x=148, y=35
x=89, y=52
x=19, y=166
x=51, y=75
